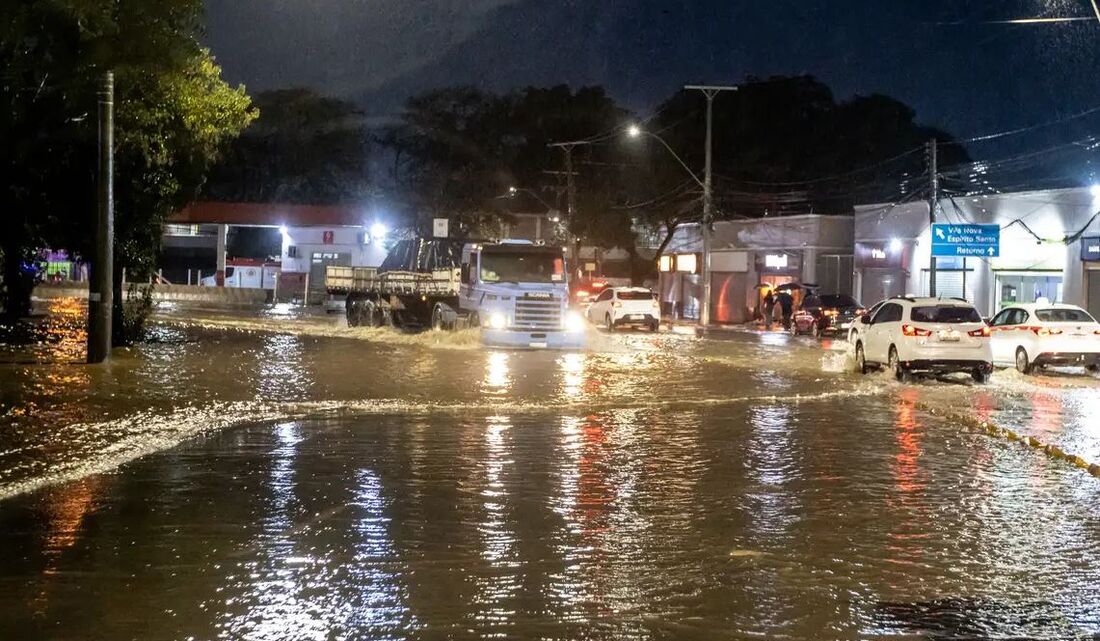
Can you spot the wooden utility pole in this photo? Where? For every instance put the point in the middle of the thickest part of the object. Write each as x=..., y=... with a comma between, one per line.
x=100, y=294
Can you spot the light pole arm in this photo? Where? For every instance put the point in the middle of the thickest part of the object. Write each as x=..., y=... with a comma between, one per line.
x=677, y=157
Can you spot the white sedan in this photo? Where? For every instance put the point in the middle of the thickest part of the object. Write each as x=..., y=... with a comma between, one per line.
x=620, y=306
x=1037, y=334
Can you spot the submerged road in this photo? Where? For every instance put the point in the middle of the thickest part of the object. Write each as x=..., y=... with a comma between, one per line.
x=315, y=482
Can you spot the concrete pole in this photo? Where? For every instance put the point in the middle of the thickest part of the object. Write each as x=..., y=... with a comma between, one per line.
x=710, y=92
x=223, y=235
x=100, y=293
x=933, y=201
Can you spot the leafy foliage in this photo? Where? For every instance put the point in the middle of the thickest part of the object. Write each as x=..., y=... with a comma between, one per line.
x=174, y=113
x=304, y=148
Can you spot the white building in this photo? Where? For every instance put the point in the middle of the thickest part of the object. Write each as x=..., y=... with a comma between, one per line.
x=1044, y=250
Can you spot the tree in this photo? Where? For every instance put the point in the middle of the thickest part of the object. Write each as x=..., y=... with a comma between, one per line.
x=174, y=113
x=458, y=150
x=304, y=148
x=784, y=145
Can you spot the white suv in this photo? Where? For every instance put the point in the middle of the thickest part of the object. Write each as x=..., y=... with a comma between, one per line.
x=619, y=306
x=934, y=335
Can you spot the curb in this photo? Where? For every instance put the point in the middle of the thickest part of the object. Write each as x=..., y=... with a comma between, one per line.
x=996, y=431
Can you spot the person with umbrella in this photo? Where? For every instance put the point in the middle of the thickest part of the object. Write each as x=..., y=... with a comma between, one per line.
x=769, y=307
x=786, y=304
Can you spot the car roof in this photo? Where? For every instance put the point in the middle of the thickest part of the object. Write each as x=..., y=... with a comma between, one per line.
x=929, y=300
x=1034, y=306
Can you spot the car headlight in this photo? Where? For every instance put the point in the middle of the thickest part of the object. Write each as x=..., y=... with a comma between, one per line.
x=498, y=321
x=574, y=322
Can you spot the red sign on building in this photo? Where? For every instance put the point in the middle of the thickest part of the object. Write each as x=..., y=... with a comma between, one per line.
x=328, y=237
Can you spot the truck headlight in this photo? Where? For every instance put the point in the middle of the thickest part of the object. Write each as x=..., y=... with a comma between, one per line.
x=498, y=321
x=574, y=322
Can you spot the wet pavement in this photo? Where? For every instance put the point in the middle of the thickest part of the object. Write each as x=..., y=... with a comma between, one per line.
x=274, y=475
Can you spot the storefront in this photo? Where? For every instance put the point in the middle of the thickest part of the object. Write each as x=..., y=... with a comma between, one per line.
x=881, y=270
x=1090, y=260
x=751, y=255
x=1035, y=259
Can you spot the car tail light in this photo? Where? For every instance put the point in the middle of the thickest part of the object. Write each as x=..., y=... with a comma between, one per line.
x=1046, y=331
x=983, y=332
x=831, y=312
x=910, y=330
x=860, y=312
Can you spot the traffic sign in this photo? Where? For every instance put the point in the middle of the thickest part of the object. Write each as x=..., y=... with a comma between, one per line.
x=439, y=227
x=966, y=240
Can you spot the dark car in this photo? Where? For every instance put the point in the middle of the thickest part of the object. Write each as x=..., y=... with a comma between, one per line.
x=826, y=314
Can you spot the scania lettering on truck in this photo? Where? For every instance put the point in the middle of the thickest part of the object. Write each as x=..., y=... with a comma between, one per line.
x=518, y=293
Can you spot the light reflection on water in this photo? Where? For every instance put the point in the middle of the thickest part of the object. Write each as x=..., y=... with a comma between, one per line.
x=567, y=496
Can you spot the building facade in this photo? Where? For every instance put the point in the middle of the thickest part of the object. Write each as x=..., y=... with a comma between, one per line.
x=749, y=254
x=1045, y=250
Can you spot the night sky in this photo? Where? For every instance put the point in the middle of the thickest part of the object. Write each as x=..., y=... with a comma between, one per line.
x=946, y=58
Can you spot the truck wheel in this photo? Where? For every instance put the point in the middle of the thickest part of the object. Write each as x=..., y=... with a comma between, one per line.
x=352, y=313
x=372, y=314
x=440, y=322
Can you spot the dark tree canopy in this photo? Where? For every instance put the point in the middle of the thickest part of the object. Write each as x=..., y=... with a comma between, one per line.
x=783, y=146
x=304, y=148
x=173, y=114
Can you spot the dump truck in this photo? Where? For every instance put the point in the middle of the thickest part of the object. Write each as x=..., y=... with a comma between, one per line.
x=515, y=292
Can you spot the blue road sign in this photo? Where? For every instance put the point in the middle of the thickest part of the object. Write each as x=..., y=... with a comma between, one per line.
x=966, y=240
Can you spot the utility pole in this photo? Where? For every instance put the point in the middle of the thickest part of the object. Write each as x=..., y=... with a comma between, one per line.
x=933, y=201
x=571, y=195
x=100, y=295
x=710, y=91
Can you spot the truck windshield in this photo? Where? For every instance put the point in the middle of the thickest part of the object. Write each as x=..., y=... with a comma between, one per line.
x=524, y=267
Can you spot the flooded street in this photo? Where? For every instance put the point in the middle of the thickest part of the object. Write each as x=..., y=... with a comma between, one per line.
x=275, y=475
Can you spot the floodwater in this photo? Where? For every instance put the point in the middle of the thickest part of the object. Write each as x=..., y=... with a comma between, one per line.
x=274, y=475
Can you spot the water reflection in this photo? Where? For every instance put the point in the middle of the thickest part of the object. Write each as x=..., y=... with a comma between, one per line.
x=498, y=376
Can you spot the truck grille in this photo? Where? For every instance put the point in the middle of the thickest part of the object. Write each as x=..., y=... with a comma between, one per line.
x=538, y=313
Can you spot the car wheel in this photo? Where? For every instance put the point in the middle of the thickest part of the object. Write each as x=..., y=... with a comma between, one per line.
x=980, y=376
x=608, y=323
x=1093, y=369
x=815, y=330
x=861, y=359
x=655, y=326
x=1023, y=365
x=900, y=373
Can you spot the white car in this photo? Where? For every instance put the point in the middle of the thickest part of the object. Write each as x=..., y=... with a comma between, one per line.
x=934, y=335
x=620, y=306
x=1036, y=334
x=857, y=325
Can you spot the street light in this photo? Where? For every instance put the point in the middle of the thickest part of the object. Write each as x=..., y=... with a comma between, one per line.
x=635, y=131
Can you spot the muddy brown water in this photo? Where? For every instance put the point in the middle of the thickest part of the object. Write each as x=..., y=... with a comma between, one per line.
x=276, y=476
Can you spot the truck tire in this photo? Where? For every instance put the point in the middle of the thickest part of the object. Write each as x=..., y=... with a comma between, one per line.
x=351, y=311
x=371, y=315
x=443, y=318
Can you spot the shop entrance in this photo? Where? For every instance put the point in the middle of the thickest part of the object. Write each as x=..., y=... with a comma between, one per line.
x=1092, y=297
x=1027, y=287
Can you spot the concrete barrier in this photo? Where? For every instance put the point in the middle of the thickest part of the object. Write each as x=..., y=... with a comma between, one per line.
x=168, y=293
